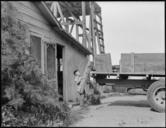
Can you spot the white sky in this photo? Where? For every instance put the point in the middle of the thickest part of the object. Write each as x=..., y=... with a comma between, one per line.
x=133, y=27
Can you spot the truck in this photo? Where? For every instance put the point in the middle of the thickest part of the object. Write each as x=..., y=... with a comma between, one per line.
x=135, y=70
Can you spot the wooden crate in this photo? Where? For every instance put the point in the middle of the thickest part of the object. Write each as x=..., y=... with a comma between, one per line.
x=103, y=63
x=142, y=63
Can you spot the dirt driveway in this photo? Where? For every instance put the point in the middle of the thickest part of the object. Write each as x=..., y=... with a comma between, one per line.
x=119, y=111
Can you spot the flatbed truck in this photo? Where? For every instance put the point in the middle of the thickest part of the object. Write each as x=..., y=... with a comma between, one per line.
x=136, y=70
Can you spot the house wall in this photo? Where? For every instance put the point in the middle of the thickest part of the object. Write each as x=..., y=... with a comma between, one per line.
x=29, y=14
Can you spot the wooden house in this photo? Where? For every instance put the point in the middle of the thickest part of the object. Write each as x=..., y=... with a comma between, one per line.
x=57, y=52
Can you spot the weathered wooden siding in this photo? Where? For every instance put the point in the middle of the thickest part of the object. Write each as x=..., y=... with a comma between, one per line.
x=73, y=61
x=143, y=63
x=73, y=58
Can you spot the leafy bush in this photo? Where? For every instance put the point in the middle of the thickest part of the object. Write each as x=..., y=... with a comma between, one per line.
x=107, y=89
x=27, y=97
x=94, y=97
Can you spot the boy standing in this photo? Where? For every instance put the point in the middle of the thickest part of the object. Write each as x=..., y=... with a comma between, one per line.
x=80, y=91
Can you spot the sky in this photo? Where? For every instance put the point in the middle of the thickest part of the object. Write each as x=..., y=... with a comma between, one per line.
x=137, y=27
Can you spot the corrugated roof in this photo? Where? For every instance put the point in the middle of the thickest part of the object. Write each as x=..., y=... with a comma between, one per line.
x=58, y=28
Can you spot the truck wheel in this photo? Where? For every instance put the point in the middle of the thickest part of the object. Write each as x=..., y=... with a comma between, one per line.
x=156, y=95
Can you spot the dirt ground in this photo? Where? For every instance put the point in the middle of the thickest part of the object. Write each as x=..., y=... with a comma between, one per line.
x=119, y=111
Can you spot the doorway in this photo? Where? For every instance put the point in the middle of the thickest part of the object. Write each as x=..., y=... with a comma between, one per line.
x=60, y=65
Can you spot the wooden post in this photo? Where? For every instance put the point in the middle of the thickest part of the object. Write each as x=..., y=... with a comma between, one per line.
x=84, y=24
x=60, y=12
x=97, y=35
x=90, y=31
x=71, y=28
x=67, y=25
x=101, y=29
x=77, y=32
x=93, y=28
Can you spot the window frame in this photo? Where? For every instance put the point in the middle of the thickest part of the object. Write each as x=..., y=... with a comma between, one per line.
x=32, y=33
x=44, y=41
x=47, y=42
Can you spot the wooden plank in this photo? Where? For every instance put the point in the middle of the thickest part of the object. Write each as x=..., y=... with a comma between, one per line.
x=71, y=23
x=146, y=63
x=66, y=23
x=84, y=24
x=99, y=16
x=127, y=74
x=98, y=22
x=28, y=5
x=77, y=32
x=103, y=63
x=90, y=31
x=93, y=28
x=98, y=39
x=71, y=29
x=31, y=20
x=126, y=83
x=100, y=32
x=31, y=12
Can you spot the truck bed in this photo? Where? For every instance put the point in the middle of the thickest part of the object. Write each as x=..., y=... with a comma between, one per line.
x=142, y=63
x=131, y=64
x=127, y=74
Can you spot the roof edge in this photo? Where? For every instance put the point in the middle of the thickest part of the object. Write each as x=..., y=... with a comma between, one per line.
x=58, y=28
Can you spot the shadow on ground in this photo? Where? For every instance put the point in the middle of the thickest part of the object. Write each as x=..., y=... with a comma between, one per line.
x=141, y=103
x=77, y=115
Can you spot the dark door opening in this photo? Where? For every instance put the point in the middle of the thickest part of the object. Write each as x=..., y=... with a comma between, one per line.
x=60, y=70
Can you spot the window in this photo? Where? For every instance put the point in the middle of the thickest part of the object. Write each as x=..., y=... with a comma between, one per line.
x=35, y=49
x=51, y=58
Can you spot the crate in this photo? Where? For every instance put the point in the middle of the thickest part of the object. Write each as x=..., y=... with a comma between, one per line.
x=142, y=63
x=103, y=63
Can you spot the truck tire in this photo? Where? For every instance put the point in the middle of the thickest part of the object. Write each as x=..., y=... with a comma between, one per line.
x=156, y=96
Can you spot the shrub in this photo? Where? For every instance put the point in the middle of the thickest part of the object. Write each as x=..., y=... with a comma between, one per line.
x=94, y=97
x=27, y=97
x=107, y=89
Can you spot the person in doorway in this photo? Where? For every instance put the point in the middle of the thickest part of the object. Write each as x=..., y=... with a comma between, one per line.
x=80, y=91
